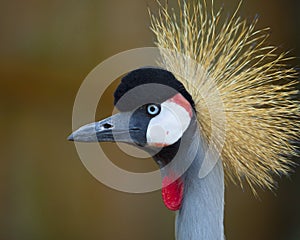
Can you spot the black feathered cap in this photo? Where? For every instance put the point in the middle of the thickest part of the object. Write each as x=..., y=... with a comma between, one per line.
x=148, y=85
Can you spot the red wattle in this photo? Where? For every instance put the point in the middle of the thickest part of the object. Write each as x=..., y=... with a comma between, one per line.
x=172, y=193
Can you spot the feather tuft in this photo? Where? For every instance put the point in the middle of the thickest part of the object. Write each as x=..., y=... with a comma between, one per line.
x=228, y=66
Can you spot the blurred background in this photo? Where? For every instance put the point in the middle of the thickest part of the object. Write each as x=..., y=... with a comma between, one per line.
x=46, y=50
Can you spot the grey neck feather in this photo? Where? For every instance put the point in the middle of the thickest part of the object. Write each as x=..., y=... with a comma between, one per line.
x=202, y=211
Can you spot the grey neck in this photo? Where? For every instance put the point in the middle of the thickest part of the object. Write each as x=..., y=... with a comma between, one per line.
x=202, y=211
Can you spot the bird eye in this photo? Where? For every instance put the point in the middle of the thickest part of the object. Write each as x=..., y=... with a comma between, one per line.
x=153, y=109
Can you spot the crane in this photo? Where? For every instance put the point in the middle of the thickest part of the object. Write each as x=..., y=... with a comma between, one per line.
x=208, y=68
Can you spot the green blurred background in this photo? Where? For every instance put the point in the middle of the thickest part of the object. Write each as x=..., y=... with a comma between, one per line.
x=46, y=50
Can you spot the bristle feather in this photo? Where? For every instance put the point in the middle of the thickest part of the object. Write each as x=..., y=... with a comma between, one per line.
x=254, y=82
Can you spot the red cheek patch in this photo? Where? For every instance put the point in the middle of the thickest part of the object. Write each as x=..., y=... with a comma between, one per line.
x=172, y=193
x=181, y=101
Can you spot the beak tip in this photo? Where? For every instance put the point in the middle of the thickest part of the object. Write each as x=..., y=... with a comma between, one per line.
x=71, y=138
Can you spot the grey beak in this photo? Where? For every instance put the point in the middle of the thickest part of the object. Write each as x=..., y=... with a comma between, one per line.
x=111, y=129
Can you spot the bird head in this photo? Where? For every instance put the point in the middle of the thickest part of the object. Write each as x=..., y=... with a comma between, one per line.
x=242, y=90
x=155, y=112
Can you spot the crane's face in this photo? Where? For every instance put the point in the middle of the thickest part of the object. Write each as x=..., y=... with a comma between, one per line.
x=153, y=125
x=155, y=111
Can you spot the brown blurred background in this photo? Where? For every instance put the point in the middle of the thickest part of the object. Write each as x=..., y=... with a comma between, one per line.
x=46, y=50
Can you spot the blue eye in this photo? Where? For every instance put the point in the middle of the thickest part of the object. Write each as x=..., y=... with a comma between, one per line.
x=153, y=109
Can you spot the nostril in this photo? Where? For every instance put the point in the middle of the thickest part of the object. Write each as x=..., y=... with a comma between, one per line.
x=107, y=126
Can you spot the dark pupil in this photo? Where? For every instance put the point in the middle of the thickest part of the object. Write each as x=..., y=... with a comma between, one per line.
x=152, y=109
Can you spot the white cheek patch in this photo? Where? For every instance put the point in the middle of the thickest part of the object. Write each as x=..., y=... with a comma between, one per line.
x=168, y=127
